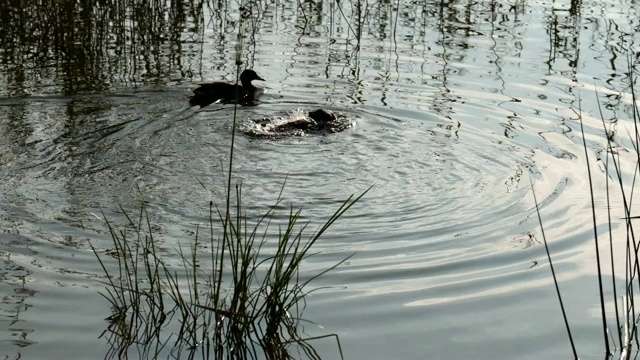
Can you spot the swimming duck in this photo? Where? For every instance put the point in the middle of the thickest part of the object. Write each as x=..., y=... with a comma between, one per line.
x=313, y=120
x=221, y=91
x=322, y=116
x=298, y=123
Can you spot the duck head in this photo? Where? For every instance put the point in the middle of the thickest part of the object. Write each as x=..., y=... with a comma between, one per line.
x=322, y=115
x=247, y=77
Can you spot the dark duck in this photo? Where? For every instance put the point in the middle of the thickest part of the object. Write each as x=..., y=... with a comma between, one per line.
x=224, y=92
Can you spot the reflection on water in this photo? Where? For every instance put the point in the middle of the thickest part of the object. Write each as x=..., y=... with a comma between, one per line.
x=72, y=46
x=455, y=106
x=16, y=294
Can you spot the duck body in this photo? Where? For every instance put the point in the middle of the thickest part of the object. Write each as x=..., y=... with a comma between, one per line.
x=317, y=122
x=224, y=92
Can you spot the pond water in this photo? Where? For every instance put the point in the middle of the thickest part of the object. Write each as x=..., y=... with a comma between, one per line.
x=456, y=109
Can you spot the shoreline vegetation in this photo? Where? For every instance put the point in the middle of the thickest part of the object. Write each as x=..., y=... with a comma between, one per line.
x=238, y=301
x=625, y=278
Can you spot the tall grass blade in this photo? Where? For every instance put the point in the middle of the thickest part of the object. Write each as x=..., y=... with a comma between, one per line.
x=608, y=151
x=595, y=235
x=553, y=273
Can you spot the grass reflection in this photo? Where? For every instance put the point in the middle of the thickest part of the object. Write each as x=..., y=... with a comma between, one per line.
x=88, y=45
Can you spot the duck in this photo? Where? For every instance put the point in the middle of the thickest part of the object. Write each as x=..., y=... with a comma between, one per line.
x=299, y=123
x=209, y=93
x=316, y=120
x=322, y=116
x=311, y=121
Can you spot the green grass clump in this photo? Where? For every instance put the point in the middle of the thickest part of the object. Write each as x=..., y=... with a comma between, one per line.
x=246, y=303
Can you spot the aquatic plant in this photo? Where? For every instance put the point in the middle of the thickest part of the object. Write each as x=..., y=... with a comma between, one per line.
x=247, y=302
x=619, y=343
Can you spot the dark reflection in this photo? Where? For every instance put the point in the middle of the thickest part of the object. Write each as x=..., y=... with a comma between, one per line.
x=15, y=301
x=70, y=46
x=14, y=132
x=564, y=31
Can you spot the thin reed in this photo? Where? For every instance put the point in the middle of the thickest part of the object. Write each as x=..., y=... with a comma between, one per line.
x=246, y=303
x=624, y=285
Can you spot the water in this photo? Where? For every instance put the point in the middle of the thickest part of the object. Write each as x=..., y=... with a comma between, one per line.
x=456, y=110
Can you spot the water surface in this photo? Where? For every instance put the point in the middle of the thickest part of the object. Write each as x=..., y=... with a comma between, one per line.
x=456, y=110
